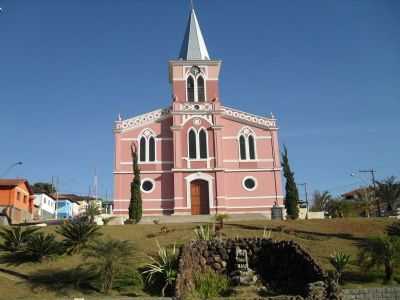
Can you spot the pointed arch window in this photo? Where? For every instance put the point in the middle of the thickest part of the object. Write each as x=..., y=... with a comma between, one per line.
x=203, y=143
x=190, y=89
x=142, y=149
x=192, y=144
x=247, y=144
x=147, y=146
x=200, y=89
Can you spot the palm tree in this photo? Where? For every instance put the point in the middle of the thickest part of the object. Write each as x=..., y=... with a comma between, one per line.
x=388, y=191
x=108, y=259
x=320, y=200
x=366, y=199
x=92, y=211
x=77, y=234
x=382, y=250
x=165, y=265
x=42, y=246
x=15, y=238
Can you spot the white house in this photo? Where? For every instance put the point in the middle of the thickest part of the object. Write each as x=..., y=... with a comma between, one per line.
x=46, y=206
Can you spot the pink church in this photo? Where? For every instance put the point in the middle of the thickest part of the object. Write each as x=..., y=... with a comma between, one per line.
x=198, y=156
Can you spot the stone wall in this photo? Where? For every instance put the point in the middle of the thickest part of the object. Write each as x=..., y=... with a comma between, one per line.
x=388, y=293
x=282, y=265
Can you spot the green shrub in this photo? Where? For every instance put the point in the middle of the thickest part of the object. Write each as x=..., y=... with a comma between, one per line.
x=393, y=229
x=15, y=238
x=128, y=280
x=209, y=285
x=77, y=234
x=204, y=233
x=42, y=246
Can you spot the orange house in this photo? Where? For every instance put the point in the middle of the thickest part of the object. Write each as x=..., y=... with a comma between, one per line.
x=16, y=200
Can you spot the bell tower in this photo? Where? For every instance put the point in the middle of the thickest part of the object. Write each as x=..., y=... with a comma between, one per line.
x=194, y=76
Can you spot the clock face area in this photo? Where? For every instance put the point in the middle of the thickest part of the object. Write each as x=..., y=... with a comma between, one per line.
x=195, y=70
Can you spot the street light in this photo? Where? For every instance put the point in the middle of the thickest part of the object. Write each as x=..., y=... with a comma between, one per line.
x=18, y=163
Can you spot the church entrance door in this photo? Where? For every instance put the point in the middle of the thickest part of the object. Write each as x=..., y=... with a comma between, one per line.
x=199, y=197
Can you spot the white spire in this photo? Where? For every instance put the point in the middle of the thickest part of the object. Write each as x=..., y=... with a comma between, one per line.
x=193, y=46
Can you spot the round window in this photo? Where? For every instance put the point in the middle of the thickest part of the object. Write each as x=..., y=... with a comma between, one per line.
x=147, y=186
x=249, y=183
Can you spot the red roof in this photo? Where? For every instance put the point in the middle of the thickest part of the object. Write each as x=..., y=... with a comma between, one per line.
x=15, y=182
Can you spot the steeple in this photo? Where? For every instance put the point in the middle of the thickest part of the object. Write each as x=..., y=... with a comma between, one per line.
x=193, y=46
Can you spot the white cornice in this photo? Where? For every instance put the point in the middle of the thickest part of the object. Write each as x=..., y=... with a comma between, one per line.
x=247, y=118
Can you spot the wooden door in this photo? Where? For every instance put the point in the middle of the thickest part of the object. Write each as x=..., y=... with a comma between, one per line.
x=199, y=197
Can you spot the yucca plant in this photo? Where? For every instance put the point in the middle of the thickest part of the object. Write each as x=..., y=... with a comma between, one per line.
x=42, y=246
x=15, y=238
x=204, y=233
x=108, y=259
x=393, y=229
x=164, y=266
x=77, y=234
x=220, y=219
x=339, y=260
x=267, y=233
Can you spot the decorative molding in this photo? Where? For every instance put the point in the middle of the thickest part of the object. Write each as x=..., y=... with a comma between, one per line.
x=142, y=120
x=248, y=118
x=254, y=197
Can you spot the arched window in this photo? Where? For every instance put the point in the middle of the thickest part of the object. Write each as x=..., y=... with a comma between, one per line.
x=190, y=89
x=192, y=144
x=200, y=89
x=142, y=149
x=152, y=149
x=242, y=147
x=252, y=151
x=203, y=143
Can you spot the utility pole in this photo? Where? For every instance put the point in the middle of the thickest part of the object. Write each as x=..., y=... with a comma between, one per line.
x=372, y=172
x=305, y=193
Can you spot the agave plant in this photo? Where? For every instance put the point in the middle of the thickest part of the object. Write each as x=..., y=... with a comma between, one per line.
x=42, y=246
x=204, y=233
x=77, y=234
x=339, y=260
x=164, y=265
x=15, y=238
x=108, y=260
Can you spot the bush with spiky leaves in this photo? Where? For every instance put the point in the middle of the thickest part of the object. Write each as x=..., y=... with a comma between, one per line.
x=163, y=267
x=15, y=238
x=108, y=259
x=204, y=233
x=42, y=246
x=381, y=251
x=393, y=229
x=77, y=234
x=339, y=261
x=92, y=211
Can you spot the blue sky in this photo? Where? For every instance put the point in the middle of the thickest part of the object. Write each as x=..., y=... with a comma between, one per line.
x=329, y=70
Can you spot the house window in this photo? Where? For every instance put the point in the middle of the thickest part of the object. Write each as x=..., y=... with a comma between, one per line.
x=200, y=89
x=190, y=89
x=148, y=185
x=18, y=196
x=147, y=146
x=247, y=144
x=192, y=144
x=249, y=183
x=25, y=197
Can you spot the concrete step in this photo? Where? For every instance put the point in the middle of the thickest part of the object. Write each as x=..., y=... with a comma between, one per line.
x=199, y=218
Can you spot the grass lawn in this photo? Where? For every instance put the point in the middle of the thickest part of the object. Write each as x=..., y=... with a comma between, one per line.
x=320, y=237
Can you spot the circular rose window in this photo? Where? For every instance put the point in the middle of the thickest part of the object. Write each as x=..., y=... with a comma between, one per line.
x=147, y=185
x=249, y=183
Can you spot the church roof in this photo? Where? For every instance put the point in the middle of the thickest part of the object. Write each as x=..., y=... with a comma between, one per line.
x=193, y=46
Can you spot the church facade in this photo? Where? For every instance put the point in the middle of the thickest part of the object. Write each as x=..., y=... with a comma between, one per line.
x=198, y=156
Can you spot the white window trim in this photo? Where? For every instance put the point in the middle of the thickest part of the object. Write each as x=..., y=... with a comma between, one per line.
x=147, y=179
x=195, y=89
x=197, y=136
x=147, y=142
x=247, y=144
x=255, y=183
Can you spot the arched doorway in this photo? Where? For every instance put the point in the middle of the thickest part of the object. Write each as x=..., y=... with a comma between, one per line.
x=199, y=195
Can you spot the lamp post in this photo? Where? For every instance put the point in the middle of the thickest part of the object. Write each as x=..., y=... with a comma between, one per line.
x=372, y=173
x=13, y=165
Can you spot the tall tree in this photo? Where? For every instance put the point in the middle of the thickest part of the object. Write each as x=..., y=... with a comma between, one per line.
x=320, y=200
x=135, y=205
x=388, y=191
x=43, y=187
x=292, y=194
x=366, y=200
